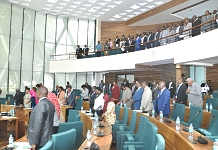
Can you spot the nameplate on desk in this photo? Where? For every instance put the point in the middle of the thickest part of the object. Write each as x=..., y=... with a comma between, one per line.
x=8, y=117
x=21, y=145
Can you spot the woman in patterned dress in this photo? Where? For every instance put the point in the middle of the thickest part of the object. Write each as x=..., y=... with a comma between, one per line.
x=109, y=110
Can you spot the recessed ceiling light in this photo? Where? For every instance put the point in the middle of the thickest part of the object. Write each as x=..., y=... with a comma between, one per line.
x=112, y=19
x=13, y=1
x=143, y=9
x=79, y=12
x=142, y=3
x=102, y=3
x=107, y=0
x=122, y=14
x=136, y=13
x=66, y=13
x=63, y=4
x=96, y=16
x=57, y=11
x=105, y=9
x=117, y=16
x=96, y=7
x=59, y=7
x=52, y=1
x=48, y=5
x=66, y=0
x=25, y=4
x=92, y=10
x=135, y=6
x=46, y=8
x=158, y=3
x=101, y=13
x=76, y=2
x=92, y=1
x=129, y=10
x=82, y=8
x=73, y=6
x=130, y=16
x=87, y=5
x=125, y=18
x=111, y=6
x=27, y=1
x=150, y=6
x=69, y=9
x=54, y=14
x=117, y=2
x=88, y=13
x=149, y=0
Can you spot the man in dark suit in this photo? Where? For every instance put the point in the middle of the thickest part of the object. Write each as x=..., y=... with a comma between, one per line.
x=163, y=100
x=195, y=22
x=57, y=89
x=156, y=36
x=171, y=86
x=18, y=97
x=181, y=96
x=117, y=42
x=40, y=127
x=79, y=52
x=85, y=50
x=70, y=96
x=92, y=97
x=105, y=89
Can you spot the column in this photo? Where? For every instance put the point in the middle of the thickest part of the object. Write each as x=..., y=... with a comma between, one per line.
x=200, y=74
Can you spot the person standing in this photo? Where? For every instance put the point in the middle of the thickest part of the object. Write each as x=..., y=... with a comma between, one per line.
x=85, y=93
x=138, y=43
x=163, y=100
x=27, y=97
x=126, y=97
x=110, y=85
x=187, y=26
x=208, y=26
x=61, y=95
x=109, y=110
x=98, y=49
x=18, y=97
x=154, y=90
x=181, y=96
x=40, y=128
x=70, y=97
x=115, y=92
x=194, y=93
x=101, y=84
x=105, y=89
x=196, y=30
x=146, y=102
x=99, y=102
x=92, y=97
x=0, y=91
x=171, y=86
x=117, y=42
x=79, y=52
x=137, y=96
x=86, y=50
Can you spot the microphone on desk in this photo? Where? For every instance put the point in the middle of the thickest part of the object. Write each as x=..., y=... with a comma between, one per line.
x=201, y=140
x=186, y=128
x=95, y=146
x=100, y=133
x=168, y=120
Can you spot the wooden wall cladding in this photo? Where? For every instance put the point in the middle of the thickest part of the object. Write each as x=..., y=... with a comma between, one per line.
x=212, y=74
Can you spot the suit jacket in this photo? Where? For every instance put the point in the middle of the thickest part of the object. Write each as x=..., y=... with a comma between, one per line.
x=92, y=100
x=117, y=41
x=146, y=101
x=197, y=30
x=137, y=98
x=163, y=102
x=71, y=99
x=172, y=89
x=79, y=52
x=40, y=127
x=105, y=89
x=154, y=93
x=181, y=95
x=86, y=50
x=18, y=97
x=138, y=44
x=208, y=26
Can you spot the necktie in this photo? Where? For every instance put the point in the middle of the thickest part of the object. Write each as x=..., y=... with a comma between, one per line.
x=177, y=89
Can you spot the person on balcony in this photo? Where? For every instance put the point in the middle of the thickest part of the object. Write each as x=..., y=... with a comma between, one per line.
x=207, y=26
x=163, y=36
x=138, y=43
x=79, y=52
x=117, y=42
x=195, y=22
x=187, y=26
x=156, y=36
x=85, y=50
x=98, y=48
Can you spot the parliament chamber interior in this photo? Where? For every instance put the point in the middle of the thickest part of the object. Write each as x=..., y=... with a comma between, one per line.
x=108, y=75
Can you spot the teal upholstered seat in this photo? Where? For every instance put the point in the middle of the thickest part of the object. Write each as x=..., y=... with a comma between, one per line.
x=48, y=146
x=160, y=142
x=213, y=101
x=121, y=94
x=11, y=98
x=212, y=138
x=64, y=140
x=120, y=122
x=128, y=138
x=2, y=100
x=197, y=120
x=117, y=111
x=125, y=129
x=215, y=94
x=178, y=110
x=78, y=104
x=213, y=127
x=78, y=125
x=148, y=142
x=73, y=115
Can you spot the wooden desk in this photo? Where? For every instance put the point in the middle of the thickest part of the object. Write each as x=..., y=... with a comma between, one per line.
x=9, y=123
x=104, y=142
x=6, y=108
x=64, y=109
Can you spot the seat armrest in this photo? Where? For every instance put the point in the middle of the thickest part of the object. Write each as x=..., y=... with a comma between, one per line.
x=204, y=132
x=212, y=137
x=129, y=137
x=121, y=128
x=134, y=143
x=131, y=147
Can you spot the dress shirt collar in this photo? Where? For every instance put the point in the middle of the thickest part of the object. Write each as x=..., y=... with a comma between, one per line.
x=139, y=88
x=162, y=90
x=42, y=98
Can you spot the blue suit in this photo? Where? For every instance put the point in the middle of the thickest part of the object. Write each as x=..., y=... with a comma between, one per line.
x=71, y=99
x=163, y=102
x=138, y=44
x=137, y=98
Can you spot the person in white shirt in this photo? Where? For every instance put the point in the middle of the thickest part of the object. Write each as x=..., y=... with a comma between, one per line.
x=85, y=93
x=187, y=26
x=99, y=102
x=146, y=101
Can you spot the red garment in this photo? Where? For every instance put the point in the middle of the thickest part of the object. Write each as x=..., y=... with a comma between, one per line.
x=115, y=92
x=108, y=99
x=53, y=98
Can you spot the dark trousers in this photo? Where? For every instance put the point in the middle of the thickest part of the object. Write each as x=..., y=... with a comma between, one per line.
x=38, y=147
x=55, y=129
x=98, y=54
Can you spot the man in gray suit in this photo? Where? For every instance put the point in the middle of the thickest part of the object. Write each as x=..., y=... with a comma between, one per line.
x=105, y=88
x=40, y=127
x=194, y=93
x=208, y=26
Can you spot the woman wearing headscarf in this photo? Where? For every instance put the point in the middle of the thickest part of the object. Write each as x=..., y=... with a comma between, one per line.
x=61, y=95
x=53, y=98
x=109, y=110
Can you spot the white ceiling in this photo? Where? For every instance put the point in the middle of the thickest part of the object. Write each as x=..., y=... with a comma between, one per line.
x=166, y=16
x=104, y=10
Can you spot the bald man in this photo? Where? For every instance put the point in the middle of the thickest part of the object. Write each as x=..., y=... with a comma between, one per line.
x=40, y=127
x=163, y=100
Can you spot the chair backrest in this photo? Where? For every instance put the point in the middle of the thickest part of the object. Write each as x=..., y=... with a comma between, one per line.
x=215, y=94
x=178, y=110
x=196, y=122
x=213, y=101
x=160, y=142
x=47, y=146
x=133, y=121
x=78, y=104
x=78, y=125
x=64, y=140
x=72, y=115
x=117, y=111
x=121, y=94
x=150, y=137
x=213, y=127
x=125, y=115
x=11, y=98
x=141, y=129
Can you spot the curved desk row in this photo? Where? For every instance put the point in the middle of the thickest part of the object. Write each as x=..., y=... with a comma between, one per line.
x=174, y=140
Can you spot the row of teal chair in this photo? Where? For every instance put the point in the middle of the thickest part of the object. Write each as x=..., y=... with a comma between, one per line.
x=213, y=102
x=73, y=116
x=2, y=100
x=145, y=139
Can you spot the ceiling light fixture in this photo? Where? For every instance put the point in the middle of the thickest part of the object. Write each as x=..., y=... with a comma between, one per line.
x=52, y=1
x=92, y=10
x=159, y=3
x=117, y=16
x=150, y=6
x=135, y=6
